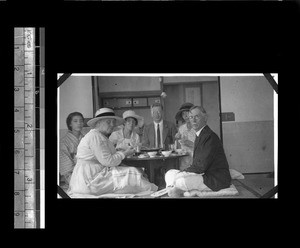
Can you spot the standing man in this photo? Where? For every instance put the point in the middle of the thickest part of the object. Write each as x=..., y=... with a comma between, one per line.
x=209, y=167
x=160, y=133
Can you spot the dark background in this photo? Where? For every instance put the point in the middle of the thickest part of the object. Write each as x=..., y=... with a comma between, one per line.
x=208, y=37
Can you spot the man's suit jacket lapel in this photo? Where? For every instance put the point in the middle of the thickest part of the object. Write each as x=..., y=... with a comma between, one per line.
x=196, y=143
x=203, y=133
x=152, y=135
x=165, y=131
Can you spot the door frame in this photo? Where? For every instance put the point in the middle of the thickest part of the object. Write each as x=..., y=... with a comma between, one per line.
x=220, y=107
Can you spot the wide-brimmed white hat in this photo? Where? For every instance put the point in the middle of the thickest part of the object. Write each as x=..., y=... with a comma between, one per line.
x=105, y=113
x=131, y=113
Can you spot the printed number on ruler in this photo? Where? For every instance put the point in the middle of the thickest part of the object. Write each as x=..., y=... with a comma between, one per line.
x=24, y=111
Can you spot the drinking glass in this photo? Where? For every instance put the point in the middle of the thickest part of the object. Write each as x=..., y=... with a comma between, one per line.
x=138, y=147
x=172, y=147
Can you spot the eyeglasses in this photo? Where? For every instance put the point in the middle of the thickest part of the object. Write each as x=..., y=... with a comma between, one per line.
x=197, y=117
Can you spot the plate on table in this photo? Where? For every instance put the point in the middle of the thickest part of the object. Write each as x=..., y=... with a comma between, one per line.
x=150, y=149
x=144, y=155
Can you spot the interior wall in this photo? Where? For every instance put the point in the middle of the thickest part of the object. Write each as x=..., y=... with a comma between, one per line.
x=249, y=140
x=173, y=101
x=210, y=98
x=250, y=98
x=75, y=95
x=188, y=79
x=128, y=83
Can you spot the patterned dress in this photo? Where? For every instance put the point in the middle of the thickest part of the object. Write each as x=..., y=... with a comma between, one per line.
x=99, y=170
x=67, y=157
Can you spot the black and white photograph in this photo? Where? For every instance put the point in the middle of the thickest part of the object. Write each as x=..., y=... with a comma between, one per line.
x=145, y=136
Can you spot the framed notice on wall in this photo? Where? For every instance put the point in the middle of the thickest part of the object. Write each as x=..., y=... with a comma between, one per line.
x=193, y=95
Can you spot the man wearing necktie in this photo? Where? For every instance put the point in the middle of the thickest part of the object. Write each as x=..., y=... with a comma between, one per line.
x=158, y=143
x=160, y=133
x=209, y=168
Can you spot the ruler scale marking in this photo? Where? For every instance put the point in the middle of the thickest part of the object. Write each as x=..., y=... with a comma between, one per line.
x=25, y=150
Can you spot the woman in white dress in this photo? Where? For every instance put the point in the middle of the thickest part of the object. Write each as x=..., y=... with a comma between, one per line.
x=126, y=136
x=99, y=170
x=186, y=135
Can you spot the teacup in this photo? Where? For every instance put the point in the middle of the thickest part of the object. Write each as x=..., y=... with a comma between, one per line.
x=152, y=154
x=166, y=153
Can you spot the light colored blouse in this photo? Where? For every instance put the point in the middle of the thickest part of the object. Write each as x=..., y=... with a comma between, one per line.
x=118, y=139
x=187, y=134
x=94, y=146
x=99, y=170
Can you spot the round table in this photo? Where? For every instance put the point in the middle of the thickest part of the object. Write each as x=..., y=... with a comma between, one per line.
x=151, y=164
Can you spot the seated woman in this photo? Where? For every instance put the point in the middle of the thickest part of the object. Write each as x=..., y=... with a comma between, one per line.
x=68, y=148
x=126, y=136
x=186, y=135
x=99, y=170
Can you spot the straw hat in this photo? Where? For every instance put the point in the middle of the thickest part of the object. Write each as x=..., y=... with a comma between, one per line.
x=105, y=113
x=132, y=114
x=184, y=107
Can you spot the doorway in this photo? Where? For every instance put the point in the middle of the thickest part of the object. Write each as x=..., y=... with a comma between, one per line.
x=198, y=93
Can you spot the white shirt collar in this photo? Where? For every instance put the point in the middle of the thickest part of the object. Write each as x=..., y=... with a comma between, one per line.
x=198, y=133
x=160, y=123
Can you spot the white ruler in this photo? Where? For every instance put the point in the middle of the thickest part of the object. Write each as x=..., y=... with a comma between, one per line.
x=26, y=141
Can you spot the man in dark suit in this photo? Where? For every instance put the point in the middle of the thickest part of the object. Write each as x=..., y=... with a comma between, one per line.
x=160, y=133
x=209, y=167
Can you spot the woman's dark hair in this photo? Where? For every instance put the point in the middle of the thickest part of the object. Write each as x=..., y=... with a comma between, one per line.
x=136, y=121
x=70, y=117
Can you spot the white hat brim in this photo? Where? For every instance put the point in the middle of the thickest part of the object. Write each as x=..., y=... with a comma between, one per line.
x=93, y=121
x=134, y=116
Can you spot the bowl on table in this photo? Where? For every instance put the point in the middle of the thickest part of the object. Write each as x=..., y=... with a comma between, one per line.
x=166, y=153
x=152, y=154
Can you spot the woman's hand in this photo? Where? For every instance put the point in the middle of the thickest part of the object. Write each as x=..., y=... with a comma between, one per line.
x=187, y=143
x=129, y=151
x=177, y=136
